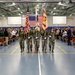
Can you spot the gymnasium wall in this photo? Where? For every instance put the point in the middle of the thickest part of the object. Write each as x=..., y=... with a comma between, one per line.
x=70, y=21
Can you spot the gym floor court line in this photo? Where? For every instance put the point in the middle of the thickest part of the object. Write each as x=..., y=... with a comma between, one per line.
x=61, y=62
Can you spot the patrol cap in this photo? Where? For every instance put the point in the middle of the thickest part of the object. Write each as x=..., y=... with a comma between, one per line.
x=21, y=27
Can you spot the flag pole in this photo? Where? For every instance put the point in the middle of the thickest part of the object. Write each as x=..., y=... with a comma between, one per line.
x=36, y=13
x=26, y=29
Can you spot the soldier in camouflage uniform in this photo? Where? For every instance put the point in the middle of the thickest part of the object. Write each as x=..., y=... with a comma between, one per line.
x=37, y=38
x=33, y=33
x=44, y=40
x=26, y=35
x=29, y=41
x=21, y=39
x=49, y=36
x=52, y=40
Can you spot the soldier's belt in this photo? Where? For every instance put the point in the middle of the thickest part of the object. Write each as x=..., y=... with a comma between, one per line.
x=36, y=37
x=45, y=38
x=29, y=37
x=50, y=36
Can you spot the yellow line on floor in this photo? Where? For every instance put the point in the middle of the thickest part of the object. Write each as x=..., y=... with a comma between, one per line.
x=71, y=53
x=42, y=53
x=14, y=50
x=6, y=54
x=61, y=49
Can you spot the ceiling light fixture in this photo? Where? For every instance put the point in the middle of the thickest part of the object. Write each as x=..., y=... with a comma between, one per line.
x=54, y=13
x=59, y=3
x=21, y=12
x=55, y=8
x=18, y=8
x=37, y=5
x=70, y=14
x=13, y=4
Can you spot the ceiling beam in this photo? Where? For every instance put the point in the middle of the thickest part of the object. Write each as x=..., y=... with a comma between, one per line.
x=7, y=11
x=59, y=10
x=9, y=5
x=29, y=1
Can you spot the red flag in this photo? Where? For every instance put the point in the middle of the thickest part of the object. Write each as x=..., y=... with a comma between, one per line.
x=44, y=25
x=26, y=29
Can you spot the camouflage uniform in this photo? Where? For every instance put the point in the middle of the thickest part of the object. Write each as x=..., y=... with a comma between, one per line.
x=21, y=39
x=26, y=34
x=36, y=39
x=29, y=41
x=44, y=40
x=49, y=36
x=33, y=33
x=52, y=40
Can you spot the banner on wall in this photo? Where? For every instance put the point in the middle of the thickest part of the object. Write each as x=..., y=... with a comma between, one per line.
x=59, y=20
x=14, y=20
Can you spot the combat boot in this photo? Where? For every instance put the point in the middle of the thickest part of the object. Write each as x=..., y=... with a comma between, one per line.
x=49, y=47
x=45, y=50
x=28, y=50
x=52, y=51
x=22, y=50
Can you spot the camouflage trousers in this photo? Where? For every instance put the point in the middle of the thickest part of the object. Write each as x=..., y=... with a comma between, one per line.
x=29, y=45
x=44, y=45
x=37, y=42
x=51, y=44
x=22, y=44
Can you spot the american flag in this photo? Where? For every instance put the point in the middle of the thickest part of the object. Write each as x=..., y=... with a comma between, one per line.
x=33, y=22
x=26, y=29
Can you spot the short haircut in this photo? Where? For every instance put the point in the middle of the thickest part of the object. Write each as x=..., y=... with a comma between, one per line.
x=21, y=26
x=68, y=26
